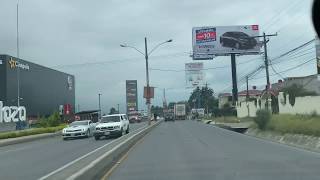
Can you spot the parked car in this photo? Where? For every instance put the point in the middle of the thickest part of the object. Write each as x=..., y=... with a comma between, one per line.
x=84, y=128
x=237, y=40
x=112, y=125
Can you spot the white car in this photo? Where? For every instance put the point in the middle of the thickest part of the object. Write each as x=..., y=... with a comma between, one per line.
x=112, y=125
x=83, y=128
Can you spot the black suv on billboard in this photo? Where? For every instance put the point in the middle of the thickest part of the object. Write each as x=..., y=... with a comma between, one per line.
x=237, y=40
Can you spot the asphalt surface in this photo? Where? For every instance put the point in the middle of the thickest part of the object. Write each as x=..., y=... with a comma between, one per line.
x=32, y=160
x=184, y=150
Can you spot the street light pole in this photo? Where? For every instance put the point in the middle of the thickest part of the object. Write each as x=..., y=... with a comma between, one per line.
x=146, y=55
x=99, y=106
x=147, y=78
x=118, y=109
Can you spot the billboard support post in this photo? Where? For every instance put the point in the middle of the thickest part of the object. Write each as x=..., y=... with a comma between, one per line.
x=234, y=79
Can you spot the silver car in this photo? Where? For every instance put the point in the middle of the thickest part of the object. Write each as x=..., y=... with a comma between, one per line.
x=76, y=129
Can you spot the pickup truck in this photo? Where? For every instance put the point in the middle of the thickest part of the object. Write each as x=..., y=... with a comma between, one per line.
x=112, y=125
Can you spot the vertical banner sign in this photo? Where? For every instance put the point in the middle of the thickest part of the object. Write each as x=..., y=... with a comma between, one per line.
x=318, y=54
x=132, y=95
x=67, y=109
x=194, y=75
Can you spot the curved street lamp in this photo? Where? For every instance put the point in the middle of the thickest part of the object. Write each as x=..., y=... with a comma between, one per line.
x=146, y=55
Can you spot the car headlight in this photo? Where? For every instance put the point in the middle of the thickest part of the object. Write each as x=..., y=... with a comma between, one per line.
x=116, y=127
x=83, y=129
x=63, y=130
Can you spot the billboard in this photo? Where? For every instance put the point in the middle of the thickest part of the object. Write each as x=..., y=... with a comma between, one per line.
x=194, y=75
x=223, y=40
x=132, y=95
x=318, y=54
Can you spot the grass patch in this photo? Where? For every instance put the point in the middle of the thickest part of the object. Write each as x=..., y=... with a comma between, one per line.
x=28, y=132
x=295, y=124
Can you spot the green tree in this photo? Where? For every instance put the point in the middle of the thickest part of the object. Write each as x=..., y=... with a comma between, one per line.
x=204, y=97
x=113, y=111
x=157, y=109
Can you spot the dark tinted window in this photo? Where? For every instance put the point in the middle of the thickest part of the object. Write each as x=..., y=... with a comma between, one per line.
x=110, y=119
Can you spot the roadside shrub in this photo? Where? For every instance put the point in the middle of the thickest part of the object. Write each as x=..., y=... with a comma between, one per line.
x=52, y=121
x=262, y=119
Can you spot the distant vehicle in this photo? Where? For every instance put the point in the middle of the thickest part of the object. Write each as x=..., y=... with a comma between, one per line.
x=134, y=117
x=76, y=129
x=112, y=125
x=180, y=111
x=237, y=40
x=168, y=115
x=197, y=113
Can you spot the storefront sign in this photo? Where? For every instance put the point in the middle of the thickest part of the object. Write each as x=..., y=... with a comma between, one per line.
x=12, y=113
x=16, y=64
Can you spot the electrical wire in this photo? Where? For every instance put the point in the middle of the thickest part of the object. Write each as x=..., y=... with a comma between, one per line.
x=290, y=69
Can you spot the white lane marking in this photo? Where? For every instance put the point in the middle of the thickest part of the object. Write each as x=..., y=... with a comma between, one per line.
x=78, y=159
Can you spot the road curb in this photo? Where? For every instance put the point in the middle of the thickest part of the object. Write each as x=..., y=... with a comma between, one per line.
x=11, y=141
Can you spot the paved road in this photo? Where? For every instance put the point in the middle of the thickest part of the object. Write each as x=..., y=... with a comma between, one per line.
x=184, y=150
x=32, y=160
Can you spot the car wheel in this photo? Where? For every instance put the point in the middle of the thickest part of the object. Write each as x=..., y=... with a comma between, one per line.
x=121, y=132
x=127, y=131
x=96, y=137
x=88, y=133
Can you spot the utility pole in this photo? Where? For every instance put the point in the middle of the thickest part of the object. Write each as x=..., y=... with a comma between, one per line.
x=99, y=106
x=18, y=56
x=147, y=77
x=266, y=63
x=247, y=96
x=164, y=99
x=118, y=109
x=199, y=97
x=234, y=79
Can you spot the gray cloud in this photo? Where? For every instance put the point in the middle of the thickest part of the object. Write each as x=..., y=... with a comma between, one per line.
x=59, y=32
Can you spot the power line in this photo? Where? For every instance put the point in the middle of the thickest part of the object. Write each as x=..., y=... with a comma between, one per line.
x=276, y=71
x=276, y=18
x=290, y=69
x=205, y=69
x=292, y=58
x=118, y=60
x=293, y=50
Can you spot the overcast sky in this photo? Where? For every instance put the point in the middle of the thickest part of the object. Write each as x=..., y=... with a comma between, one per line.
x=82, y=37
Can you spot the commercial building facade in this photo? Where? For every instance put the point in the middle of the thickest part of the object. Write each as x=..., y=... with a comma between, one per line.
x=42, y=90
